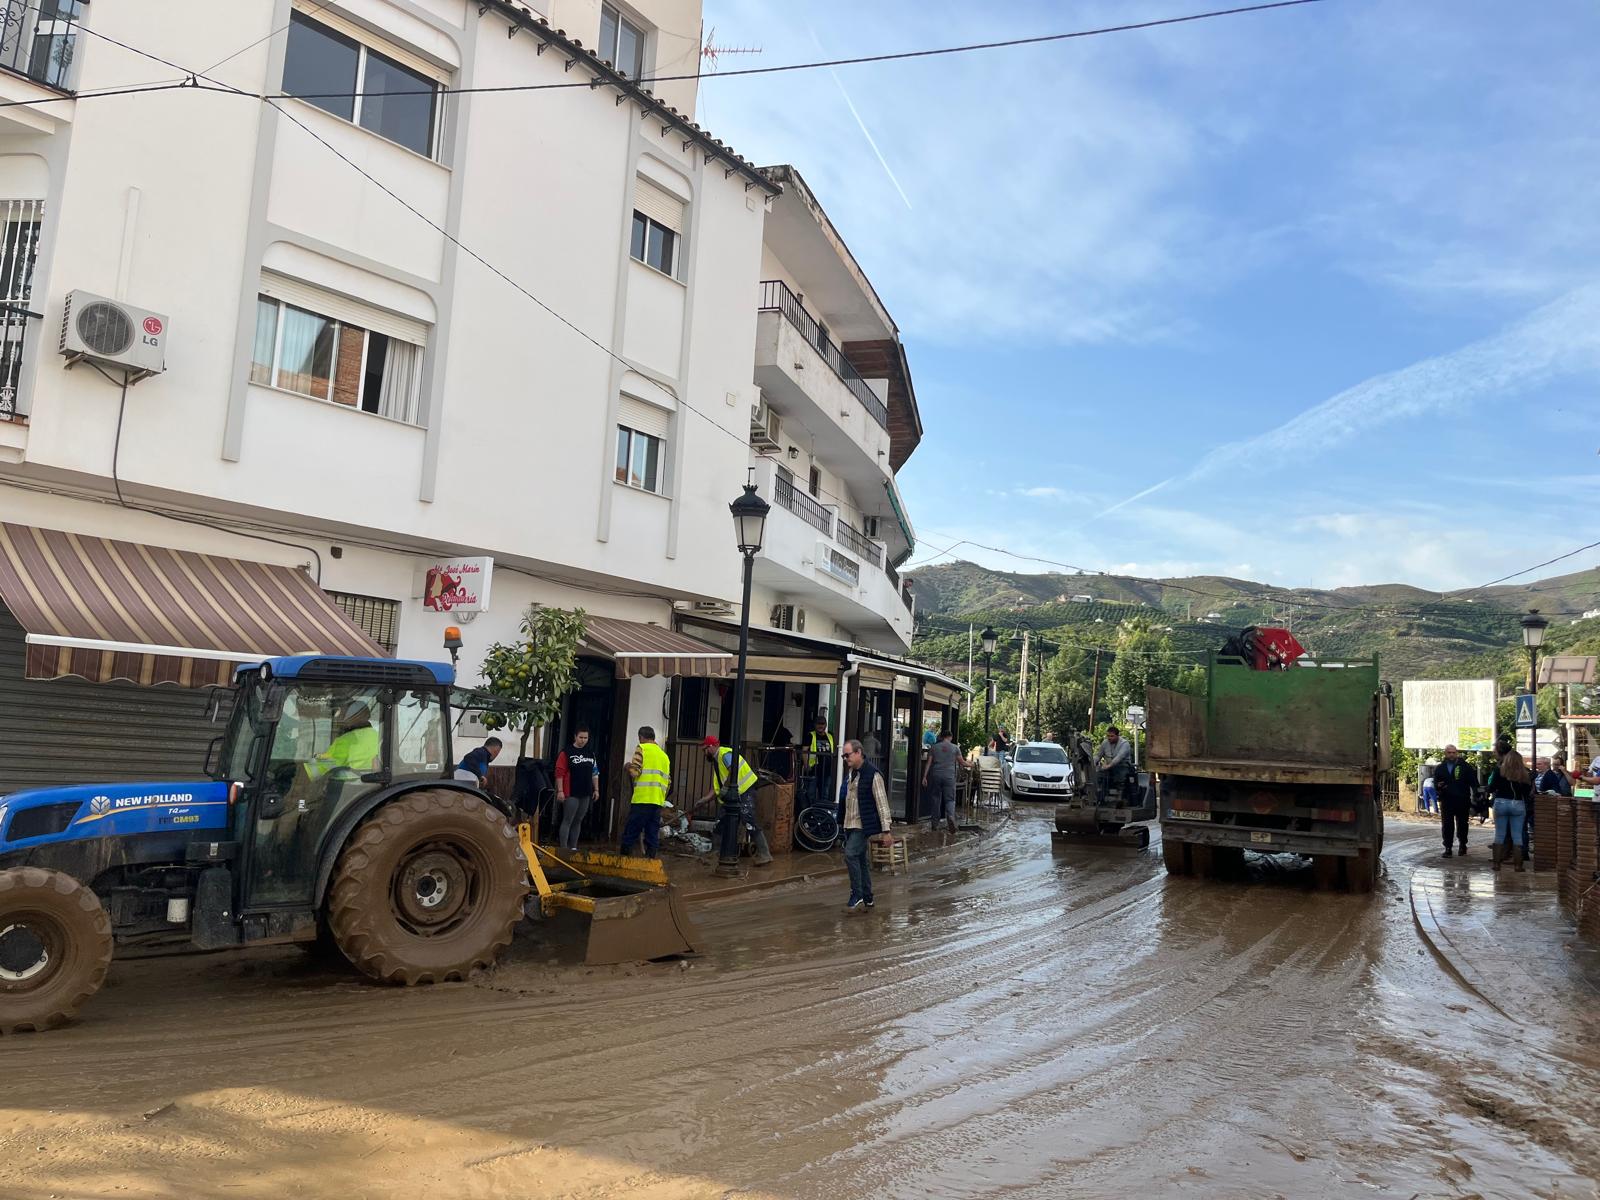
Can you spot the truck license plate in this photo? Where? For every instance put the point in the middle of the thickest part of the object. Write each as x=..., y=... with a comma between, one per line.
x=1261, y=837
x=1187, y=814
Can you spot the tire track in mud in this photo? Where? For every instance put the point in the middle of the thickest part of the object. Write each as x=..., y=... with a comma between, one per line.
x=1017, y=1025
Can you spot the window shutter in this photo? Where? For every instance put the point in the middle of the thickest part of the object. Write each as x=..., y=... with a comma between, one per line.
x=322, y=14
x=342, y=308
x=646, y=418
x=658, y=204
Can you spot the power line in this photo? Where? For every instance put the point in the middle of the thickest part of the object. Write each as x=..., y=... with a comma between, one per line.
x=492, y=89
x=896, y=56
x=265, y=38
x=1536, y=566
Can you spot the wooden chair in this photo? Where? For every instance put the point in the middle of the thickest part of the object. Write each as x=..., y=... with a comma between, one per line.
x=892, y=856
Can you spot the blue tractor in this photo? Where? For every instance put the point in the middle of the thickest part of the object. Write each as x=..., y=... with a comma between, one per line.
x=329, y=813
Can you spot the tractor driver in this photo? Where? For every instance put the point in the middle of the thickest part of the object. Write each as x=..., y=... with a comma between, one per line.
x=356, y=746
x=1114, y=760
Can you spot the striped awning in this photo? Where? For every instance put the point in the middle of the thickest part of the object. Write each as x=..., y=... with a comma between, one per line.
x=105, y=610
x=640, y=649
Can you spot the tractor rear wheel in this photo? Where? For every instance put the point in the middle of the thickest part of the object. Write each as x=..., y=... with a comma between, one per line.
x=427, y=888
x=55, y=948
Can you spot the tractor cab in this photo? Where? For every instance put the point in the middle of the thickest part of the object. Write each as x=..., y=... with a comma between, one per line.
x=311, y=742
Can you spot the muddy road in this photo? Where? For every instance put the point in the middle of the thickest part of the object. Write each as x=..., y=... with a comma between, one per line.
x=1008, y=1022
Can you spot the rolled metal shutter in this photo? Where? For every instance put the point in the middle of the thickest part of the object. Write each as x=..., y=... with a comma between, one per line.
x=63, y=731
x=342, y=308
x=660, y=205
x=643, y=417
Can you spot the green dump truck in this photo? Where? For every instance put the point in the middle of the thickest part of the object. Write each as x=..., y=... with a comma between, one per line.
x=1290, y=761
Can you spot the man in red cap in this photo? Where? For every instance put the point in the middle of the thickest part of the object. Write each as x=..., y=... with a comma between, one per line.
x=723, y=764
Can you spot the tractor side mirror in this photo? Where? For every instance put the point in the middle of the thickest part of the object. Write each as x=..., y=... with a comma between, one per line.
x=210, y=769
x=213, y=706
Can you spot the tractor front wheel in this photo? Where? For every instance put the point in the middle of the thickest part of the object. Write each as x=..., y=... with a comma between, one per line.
x=428, y=887
x=55, y=948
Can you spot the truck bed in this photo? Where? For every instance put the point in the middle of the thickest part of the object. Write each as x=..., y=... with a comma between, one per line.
x=1264, y=770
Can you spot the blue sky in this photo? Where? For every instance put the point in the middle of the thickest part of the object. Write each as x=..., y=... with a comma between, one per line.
x=1327, y=278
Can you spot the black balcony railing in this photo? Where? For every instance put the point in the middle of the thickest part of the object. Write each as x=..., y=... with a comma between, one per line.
x=869, y=551
x=38, y=39
x=776, y=297
x=802, y=505
x=907, y=599
x=13, y=339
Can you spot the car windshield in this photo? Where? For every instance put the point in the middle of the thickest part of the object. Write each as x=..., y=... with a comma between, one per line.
x=1041, y=754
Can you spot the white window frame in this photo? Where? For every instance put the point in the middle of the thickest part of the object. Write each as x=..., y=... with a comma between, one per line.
x=641, y=30
x=435, y=135
x=661, y=462
x=339, y=327
x=677, y=243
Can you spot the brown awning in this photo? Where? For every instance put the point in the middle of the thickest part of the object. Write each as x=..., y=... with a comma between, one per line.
x=640, y=649
x=106, y=610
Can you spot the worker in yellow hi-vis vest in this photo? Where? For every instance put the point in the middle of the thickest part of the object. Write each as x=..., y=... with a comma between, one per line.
x=725, y=763
x=651, y=772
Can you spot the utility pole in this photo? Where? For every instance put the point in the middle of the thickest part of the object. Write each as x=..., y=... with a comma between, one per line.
x=1094, y=688
x=1022, y=692
x=969, y=668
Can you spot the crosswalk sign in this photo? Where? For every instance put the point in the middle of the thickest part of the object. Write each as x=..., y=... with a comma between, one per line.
x=1525, y=716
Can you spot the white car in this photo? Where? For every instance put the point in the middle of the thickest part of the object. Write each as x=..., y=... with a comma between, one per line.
x=1039, y=771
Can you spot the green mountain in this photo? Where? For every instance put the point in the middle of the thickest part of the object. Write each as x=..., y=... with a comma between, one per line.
x=1417, y=633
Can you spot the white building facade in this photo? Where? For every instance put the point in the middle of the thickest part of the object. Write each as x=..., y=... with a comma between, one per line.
x=407, y=317
x=403, y=321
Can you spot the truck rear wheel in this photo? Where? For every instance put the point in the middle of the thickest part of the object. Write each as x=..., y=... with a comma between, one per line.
x=1325, y=871
x=55, y=948
x=1361, y=872
x=1172, y=854
x=428, y=888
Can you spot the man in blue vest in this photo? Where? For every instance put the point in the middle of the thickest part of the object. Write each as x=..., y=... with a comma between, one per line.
x=865, y=817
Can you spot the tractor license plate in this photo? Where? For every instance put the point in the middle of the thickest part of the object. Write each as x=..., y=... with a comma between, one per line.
x=1261, y=837
x=1188, y=814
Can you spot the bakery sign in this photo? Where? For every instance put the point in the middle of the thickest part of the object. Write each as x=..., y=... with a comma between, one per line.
x=457, y=584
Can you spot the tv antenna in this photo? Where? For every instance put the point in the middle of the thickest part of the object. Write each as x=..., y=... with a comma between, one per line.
x=711, y=53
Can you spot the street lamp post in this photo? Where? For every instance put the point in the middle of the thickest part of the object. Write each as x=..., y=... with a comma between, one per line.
x=1533, y=627
x=989, y=638
x=749, y=521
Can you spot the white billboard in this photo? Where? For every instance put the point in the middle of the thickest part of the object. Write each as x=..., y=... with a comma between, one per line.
x=1448, y=712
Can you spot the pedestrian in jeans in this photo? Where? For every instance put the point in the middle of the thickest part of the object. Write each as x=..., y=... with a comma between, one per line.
x=1428, y=796
x=939, y=780
x=651, y=772
x=1511, y=784
x=577, y=786
x=1456, y=780
x=864, y=817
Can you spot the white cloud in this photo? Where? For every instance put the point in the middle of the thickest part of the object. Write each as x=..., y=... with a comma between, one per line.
x=1560, y=340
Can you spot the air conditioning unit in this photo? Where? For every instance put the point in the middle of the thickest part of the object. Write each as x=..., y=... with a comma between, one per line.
x=713, y=608
x=869, y=526
x=113, y=333
x=766, y=428
x=783, y=616
x=799, y=620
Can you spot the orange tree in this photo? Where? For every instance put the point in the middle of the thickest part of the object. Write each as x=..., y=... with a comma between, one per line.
x=533, y=674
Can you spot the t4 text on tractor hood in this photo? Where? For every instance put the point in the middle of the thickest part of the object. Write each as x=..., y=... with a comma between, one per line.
x=93, y=810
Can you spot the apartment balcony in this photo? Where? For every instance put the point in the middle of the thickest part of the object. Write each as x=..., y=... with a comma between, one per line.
x=808, y=380
x=39, y=40
x=830, y=568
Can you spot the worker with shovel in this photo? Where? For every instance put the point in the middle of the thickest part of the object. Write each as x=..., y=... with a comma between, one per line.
x=723, y=763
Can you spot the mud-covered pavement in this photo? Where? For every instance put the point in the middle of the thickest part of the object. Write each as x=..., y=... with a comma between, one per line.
x=1007, y=1022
